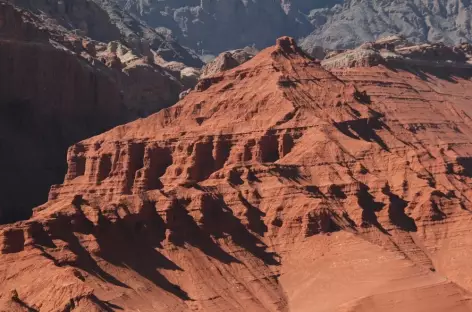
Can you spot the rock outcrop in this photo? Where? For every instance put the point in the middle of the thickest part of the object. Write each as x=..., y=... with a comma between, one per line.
x=228, y=60
x=216, y=26
x=58, y=88
x=357, y=21
x=396, y=50
x=275, y=186
x=168, y=27
x=106, y=21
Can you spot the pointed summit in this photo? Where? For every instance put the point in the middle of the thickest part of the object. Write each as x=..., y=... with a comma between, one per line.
x=280, y=87
x=288, y=45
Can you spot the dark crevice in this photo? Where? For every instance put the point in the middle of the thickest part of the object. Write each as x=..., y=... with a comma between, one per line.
x=269, y=148
x=369, y=208
x=104, y=167
x=135, y=162
x=159, y=160
x=254, y=216
x=364, y=129
x=396, y=211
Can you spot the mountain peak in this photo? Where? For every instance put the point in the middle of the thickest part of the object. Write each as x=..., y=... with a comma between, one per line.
x=288, y=45
x=270, y=90
x=272, y=175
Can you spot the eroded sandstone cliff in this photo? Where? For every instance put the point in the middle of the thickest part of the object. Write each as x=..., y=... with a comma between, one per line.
x=275, y=186
x=58, y=88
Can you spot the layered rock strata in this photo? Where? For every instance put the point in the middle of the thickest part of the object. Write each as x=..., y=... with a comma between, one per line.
x=275, y=186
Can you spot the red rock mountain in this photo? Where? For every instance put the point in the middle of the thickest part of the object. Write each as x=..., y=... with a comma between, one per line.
x=275, y=186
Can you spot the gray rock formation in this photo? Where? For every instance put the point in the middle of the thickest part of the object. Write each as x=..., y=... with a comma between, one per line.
x=220, y=25
x=105, y=20
x=357, y=21
x=213, y=26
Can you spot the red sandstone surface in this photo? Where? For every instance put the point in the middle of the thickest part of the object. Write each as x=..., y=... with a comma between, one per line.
x=275, y=186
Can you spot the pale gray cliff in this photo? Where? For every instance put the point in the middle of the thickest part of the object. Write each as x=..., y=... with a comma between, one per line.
x=357, y=21
x=213, y=26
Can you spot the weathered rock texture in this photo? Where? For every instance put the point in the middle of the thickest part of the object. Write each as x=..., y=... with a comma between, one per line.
x=228, y=60
x=58, y=88
x=105, y=21
x=357, y=21
x=214, y=26
x=396, y=50
x=274, y=186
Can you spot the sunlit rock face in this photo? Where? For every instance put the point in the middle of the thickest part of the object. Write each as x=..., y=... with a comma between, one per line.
x=282, y=184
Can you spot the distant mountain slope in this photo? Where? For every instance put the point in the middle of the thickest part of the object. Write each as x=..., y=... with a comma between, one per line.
x=214, y=26
x=179, y=30
x=217, y=25
x=106, y=21
x=358, y=21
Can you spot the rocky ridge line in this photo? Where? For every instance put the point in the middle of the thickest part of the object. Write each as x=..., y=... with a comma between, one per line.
x=268, y=181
